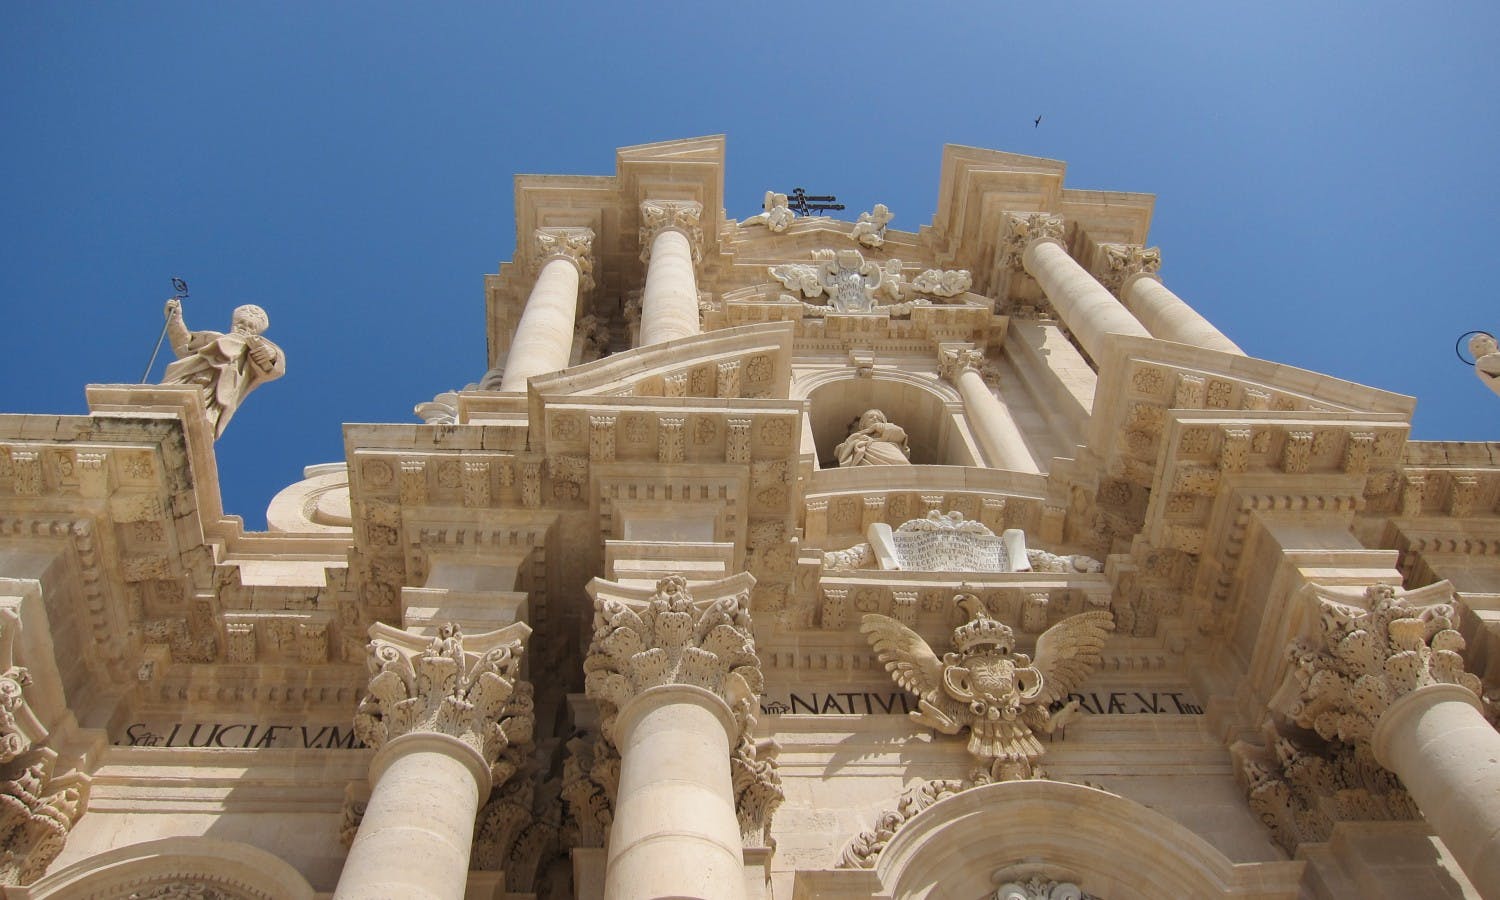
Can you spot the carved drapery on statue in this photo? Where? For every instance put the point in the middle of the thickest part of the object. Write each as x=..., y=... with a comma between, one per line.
x=471, y=692
x=225, y=367
x=1001, y=696
x=875, y=441
x=673, y=639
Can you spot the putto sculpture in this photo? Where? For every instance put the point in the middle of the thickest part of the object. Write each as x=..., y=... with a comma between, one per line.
x=225, y=367
x=1002, y=696
x=876, y=442
x=778, y=215
x=1486, y=354
x=870, y=229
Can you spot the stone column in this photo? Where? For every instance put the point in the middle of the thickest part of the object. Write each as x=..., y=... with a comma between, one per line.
x=991, y=420
x=1034, y=242
x=449, y=719
x=543, y=341
x=677, y=681
x=1389, y=673
x=1131, y=273
x=671, y=241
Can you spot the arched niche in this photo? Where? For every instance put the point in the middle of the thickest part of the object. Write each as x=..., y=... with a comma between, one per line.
x=220, y=869
x=1112, y=847
x=931, y=413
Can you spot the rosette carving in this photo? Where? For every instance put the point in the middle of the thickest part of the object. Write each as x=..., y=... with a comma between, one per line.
x=467, y=688
x=1362, y=659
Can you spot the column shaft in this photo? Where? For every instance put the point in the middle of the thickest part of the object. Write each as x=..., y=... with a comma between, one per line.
x=1085, y=306
x=1170, y=318
x=544, y=337
x=993, y=425
x=669, y=302
x=418, y=827
x=1448, y=756
x=675, y=832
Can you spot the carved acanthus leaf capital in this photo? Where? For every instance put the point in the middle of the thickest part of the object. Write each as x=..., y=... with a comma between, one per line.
x=573, y=244
x=465, y=687
x=1122, y=261
x=684, y=216
x=37, y=811
x=1024, y=229
x=1363, y=658
x=672, y=639
x=955, y=361
x=19, y=727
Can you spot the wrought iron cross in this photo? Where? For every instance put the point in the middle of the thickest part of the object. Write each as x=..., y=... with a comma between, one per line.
x=802, y=203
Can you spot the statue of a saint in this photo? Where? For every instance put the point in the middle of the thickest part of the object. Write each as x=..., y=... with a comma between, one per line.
x=877, y=442
x=225, y=367
x=1486, y=354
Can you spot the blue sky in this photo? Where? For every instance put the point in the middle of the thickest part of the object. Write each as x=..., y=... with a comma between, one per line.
x=1325, y=178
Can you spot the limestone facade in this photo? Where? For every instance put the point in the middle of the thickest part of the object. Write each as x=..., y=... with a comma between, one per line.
x=1096, y=606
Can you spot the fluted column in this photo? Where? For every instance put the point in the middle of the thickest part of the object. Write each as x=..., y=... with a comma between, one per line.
x=449, y=719
x=993, y=425
x=1034, y=242
x=543, y=341
x=1131, y=273
x=671, y=238
x=1389, y=673
x=677, y=681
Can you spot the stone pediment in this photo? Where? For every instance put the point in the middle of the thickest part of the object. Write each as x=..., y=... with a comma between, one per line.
x=753, y=361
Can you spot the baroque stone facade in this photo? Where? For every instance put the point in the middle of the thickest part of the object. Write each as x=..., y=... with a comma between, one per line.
x=776, y=558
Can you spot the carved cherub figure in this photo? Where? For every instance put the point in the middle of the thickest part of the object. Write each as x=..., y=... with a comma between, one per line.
x=225, y=367
x=778, y=215
x=870, y=229
x=1003, y=697
x=1486, y=360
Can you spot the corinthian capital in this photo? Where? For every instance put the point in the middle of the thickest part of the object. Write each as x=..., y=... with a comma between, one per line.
x=673, y=639
x=464, y=687
x=19, y=727
x=1121, y=261
x=1364, y=657
x=573, y=244
x=1024, y=229
x=954, y=361
x=684, y=216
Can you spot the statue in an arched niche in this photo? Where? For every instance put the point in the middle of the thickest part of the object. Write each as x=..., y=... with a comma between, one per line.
x=876, y=441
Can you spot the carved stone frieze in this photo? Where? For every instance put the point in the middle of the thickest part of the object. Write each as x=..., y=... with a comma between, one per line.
x=1363, y=658
x=473, y=693
x=1301, y=792
x=684, y=216
x=517, y=833
x=852, y=284
x=864, y=848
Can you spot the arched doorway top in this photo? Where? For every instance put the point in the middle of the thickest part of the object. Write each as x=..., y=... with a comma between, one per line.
x=1118, y=849
x=224, y=868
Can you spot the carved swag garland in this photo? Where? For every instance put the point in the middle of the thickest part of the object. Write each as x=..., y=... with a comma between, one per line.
x=673, y=640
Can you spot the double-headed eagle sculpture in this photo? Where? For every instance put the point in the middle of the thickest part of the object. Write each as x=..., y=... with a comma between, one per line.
x=1003, y=697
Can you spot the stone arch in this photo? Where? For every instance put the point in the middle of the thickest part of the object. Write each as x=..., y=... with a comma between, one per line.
x=221, y=870
x=929, y=410
x=1112, y=847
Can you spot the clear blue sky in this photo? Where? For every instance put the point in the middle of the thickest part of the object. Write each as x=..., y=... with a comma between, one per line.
x=1325, y=176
